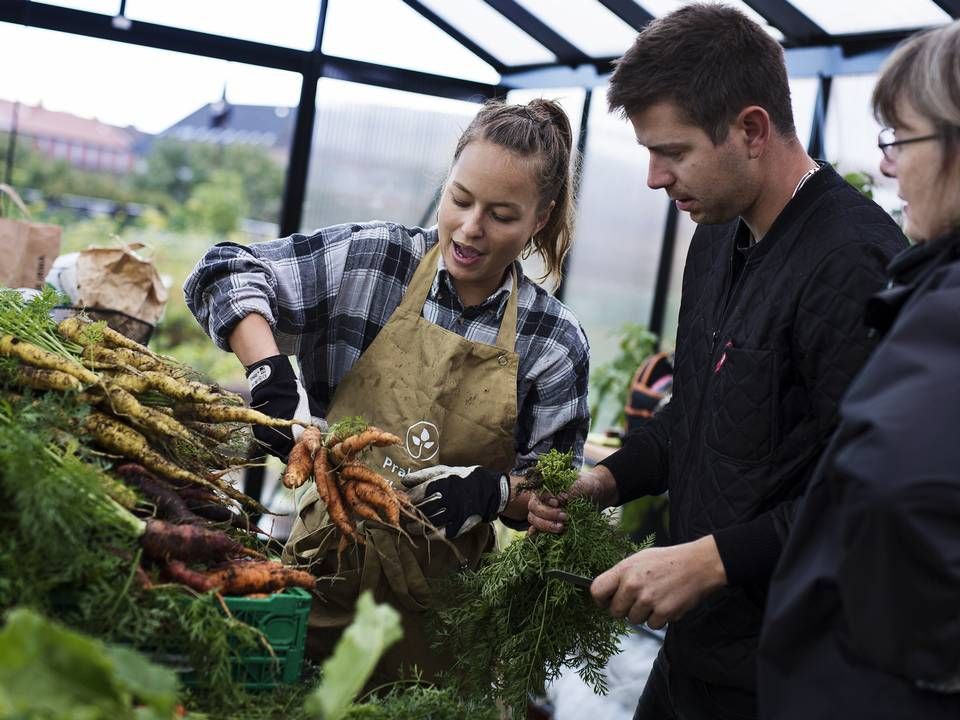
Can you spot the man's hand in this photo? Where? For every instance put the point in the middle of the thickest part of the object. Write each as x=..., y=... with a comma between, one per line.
x=659, y=585
x=545, y=511
x=276, y=391
x=456, y=499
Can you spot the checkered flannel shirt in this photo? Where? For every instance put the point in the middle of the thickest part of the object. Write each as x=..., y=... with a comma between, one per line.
x=328, y=294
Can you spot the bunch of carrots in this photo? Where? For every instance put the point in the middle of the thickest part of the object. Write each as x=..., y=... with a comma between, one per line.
x=173, y=437
x=349, y=488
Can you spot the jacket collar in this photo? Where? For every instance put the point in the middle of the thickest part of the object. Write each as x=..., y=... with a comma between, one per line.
x=908, y=271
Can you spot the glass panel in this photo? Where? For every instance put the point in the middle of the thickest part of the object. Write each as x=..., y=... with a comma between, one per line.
x=112, y=143
x=491, y=31
x=425, y=47
x=379, y=154
x=685, y=230
x=613, y=264
x=662, y=7
x=103, y=7
x=803, y=94
x=290, y=23
x=586, y=24
x=851, y=136
x=856, y=16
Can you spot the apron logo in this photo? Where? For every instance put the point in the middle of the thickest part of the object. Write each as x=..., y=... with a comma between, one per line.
x=423, y=441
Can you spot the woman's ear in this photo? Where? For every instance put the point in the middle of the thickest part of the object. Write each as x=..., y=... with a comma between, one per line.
x=543, y=217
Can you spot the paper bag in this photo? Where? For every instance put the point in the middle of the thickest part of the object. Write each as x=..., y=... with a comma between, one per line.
x=117, y=278
x=27, y=249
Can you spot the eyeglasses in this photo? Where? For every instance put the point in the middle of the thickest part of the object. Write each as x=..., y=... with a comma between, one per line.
x=890, y=146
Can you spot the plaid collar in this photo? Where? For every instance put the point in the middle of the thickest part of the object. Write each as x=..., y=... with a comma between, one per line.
x=497, y=302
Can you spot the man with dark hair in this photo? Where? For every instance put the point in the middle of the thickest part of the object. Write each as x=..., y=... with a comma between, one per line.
x=770, y=333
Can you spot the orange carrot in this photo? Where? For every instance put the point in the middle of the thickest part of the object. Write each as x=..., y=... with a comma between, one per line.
x=372, y=436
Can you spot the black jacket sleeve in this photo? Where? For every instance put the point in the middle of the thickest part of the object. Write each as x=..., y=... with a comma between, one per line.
x=897, y=473
x=640, y=467
x=830, y=345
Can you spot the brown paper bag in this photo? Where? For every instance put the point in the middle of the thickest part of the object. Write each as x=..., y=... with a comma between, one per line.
x=117, y=278
x=27, y=248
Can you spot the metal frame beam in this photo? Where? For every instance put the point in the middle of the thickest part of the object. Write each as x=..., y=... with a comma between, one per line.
x=797, y=28
x=577, y=176
x=453, y=32
x=951, y=7
x=628, y=11
x=815, y=146
x=298, y=164
x=566, y=52
x=664, y=269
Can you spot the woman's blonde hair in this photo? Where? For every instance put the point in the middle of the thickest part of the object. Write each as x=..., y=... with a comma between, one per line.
x=924, y=71
x=541, y=132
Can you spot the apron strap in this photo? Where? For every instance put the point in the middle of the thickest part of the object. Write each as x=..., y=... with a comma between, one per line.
x=422, y=281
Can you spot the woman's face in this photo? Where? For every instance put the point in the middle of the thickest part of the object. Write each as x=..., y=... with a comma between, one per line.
x=930, y=195
x=488, y=211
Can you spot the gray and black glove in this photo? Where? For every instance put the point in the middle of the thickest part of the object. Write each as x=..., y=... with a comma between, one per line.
x=456, y=499
x=276, y=391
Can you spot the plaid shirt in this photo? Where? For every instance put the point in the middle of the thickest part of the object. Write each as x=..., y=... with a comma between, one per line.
x=327, y=295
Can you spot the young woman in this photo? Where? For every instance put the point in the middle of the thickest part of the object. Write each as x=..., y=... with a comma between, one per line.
x=435, y=335
x=863, y=617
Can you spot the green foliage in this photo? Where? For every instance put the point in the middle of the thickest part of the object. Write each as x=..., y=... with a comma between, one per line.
x=612, y=379
x=30, y=321
x=176, y=169
x=50, y=672
x=862, y=181
x=512, y=629
x=218, y=204
x=373, y=630
x=422, y=702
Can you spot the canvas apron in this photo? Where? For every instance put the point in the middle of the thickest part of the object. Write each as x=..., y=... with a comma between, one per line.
x=452, y=402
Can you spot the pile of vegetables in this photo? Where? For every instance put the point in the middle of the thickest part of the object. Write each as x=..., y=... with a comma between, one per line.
x=511, y=628
x=118, y=520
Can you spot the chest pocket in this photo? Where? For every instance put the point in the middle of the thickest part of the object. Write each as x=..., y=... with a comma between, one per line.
x=741, y=412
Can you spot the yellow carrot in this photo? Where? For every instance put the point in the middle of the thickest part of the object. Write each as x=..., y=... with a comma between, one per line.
x=38, y=357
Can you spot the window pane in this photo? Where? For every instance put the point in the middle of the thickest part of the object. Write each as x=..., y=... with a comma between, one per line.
x=662, y=7
x=613, y=264
x=379, y=154
x=400, y=37
x=491, y=31
x=855, y=16
x=851, y=135
x=113, y=142
x=290, y=23
x=104, y=7
x=586, y=24
x=803, y=94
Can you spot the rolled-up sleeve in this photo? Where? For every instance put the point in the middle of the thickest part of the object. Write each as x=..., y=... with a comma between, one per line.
x=282, y=280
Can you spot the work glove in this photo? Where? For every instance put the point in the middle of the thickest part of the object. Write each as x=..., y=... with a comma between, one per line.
x=276, y=391
x=456, y=499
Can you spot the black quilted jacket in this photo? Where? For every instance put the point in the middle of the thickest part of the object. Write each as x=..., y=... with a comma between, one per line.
x=762, y=359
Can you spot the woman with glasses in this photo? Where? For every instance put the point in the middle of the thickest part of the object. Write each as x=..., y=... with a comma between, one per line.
x=863, y=616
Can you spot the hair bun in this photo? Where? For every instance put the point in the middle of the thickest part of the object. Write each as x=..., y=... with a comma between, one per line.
x=550, y=111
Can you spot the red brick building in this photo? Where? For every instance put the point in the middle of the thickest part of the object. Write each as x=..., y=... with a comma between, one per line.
x=86, y=143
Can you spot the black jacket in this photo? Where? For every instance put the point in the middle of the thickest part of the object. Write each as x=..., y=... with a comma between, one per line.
x=864, y=608
x=763, y=356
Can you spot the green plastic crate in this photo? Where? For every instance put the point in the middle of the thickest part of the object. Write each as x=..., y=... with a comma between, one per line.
x=282, y=618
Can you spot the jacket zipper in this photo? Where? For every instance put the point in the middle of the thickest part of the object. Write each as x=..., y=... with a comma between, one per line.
x=729, y=302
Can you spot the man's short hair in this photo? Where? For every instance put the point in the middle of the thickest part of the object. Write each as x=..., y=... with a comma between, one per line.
x=711, y=61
